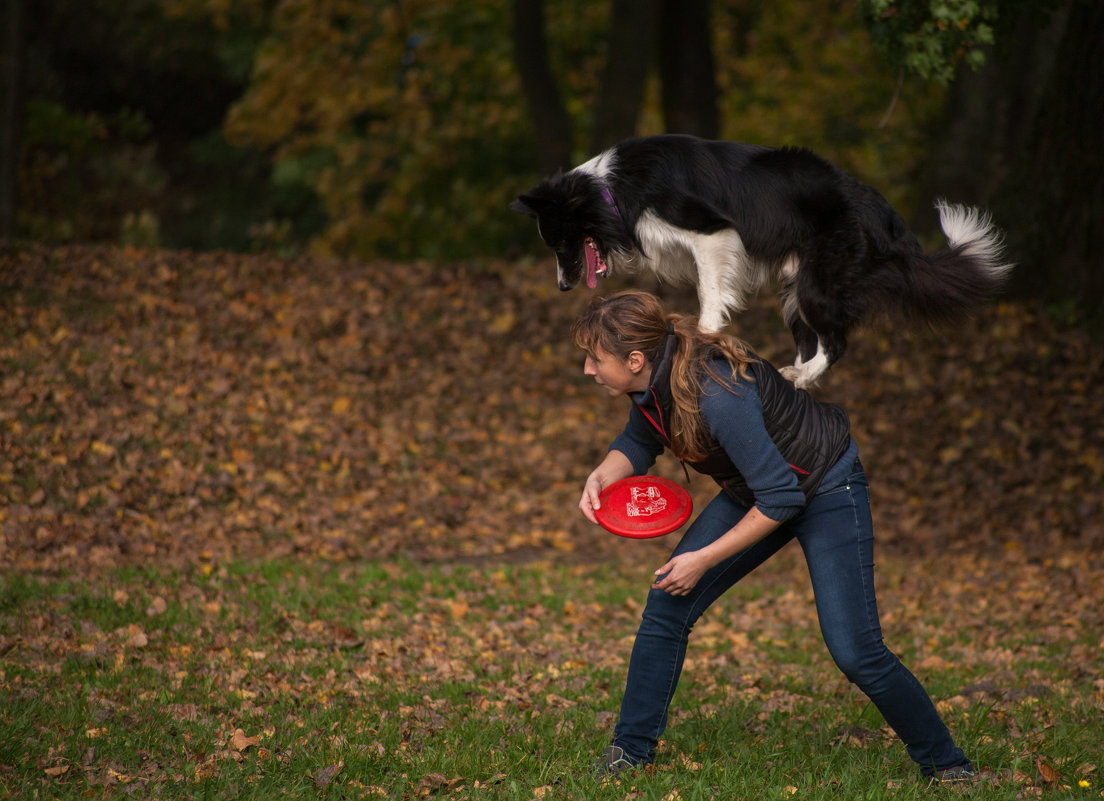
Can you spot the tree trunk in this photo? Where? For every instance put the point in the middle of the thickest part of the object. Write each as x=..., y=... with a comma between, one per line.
x=678, y=29
x=634, y=28
x=1022, y=137
x=687, y=69
x=546, y=107
x=1053, y=197
x=989, y=115
x=12, y=62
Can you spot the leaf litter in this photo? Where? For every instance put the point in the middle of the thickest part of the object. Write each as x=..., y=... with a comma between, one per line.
x=192, y=410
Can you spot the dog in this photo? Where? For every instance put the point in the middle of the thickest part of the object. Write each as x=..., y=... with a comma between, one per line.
x=730, y=217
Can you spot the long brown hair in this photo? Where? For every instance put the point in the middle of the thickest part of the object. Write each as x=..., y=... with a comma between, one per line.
x=632, y=320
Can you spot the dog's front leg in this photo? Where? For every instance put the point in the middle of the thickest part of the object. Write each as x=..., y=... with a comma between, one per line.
x=712, y=316
x=723, y=278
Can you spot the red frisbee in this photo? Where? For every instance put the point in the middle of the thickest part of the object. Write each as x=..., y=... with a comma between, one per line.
x=643, y=506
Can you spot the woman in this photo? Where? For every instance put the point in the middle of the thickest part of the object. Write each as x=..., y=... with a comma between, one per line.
x=788, y=469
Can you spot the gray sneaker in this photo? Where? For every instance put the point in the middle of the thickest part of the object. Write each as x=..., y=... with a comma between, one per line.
x=612, y=762
x=961, y=775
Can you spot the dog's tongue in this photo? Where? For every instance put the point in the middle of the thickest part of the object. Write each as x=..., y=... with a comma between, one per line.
x=592, y=265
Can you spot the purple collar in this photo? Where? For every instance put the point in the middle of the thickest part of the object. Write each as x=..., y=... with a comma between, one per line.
x=608, y=195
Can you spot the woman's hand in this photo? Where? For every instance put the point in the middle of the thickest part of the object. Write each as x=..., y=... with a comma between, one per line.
x=614, y=467
x=590, y=499
x=682, y=573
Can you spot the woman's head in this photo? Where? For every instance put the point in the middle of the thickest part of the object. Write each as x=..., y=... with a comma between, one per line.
x=631, y=327
x=620, y=324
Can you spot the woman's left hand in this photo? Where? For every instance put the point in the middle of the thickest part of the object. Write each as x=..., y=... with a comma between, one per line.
x=682, y=573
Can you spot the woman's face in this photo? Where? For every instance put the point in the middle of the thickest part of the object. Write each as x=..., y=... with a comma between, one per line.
x=617, y=376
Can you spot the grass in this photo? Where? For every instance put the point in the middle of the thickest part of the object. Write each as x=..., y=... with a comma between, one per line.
x=293, y=678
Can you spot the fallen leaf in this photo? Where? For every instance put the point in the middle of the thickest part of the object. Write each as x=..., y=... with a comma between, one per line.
x=1048, y=773
x=431, y=784
x=323, y=776
x=207, y=769
x=503, y=323
x=458, y=608
x=239, y=741
x=121, y=778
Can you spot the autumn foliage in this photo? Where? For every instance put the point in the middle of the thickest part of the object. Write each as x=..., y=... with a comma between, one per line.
x=164, y=405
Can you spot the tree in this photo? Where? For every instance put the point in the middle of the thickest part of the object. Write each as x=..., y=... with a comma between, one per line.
x=676, y=33
x=931, y=39
x=119, y=126
x=551, y=122
x=415, y=122
x=688, y=69
x=1053, y=195
x=12, y=69
x=630, y=53
x=1020, y=130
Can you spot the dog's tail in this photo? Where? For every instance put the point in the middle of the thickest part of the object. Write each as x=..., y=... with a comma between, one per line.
x=970, y=271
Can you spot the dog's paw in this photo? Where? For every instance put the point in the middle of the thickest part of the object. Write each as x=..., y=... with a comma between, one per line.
x=801, y=376
x=791, y=373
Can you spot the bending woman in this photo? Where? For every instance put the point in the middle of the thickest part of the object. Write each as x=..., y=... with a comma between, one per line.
x=787, y=468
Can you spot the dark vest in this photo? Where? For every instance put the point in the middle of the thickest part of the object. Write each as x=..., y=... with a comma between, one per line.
x=810, y=435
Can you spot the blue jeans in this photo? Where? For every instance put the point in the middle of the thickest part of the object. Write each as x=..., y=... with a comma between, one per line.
x=836, y=534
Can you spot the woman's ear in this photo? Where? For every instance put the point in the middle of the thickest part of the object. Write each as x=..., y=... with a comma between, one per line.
x=636, y=362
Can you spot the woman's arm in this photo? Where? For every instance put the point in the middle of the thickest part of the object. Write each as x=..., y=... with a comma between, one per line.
x=682, y=573
x=736, y=422
x=614, y=467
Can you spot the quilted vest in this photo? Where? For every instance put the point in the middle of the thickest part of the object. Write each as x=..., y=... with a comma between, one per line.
x=811, y=435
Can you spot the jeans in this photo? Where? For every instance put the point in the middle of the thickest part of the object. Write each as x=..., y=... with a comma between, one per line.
x=836, y=535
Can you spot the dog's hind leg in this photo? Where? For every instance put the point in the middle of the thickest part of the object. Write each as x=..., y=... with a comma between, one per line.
x=818, y=333
x=806, y=372
x=811, y=360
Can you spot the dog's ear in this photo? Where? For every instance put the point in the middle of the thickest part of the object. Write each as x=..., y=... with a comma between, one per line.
x=526, y=204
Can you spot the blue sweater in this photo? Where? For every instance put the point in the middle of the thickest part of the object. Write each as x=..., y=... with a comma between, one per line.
x=735, y=421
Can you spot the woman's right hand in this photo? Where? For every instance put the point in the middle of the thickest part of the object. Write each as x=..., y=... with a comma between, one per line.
x=614, y=467
x=591, y=498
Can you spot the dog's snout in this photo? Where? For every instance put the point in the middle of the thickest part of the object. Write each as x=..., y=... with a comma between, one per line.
x=563, y=277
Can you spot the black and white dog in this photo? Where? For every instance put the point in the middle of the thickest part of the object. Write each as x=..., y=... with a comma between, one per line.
x=729, y=216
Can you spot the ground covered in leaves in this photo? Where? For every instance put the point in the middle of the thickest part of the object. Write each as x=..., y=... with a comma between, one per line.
x=185, y=412
x=167, y=406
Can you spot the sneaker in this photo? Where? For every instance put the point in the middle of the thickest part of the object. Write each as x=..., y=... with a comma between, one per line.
x=960, y=775
x=612, y=762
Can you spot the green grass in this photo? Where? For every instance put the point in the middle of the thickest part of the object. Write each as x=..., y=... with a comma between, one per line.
x=259, y=680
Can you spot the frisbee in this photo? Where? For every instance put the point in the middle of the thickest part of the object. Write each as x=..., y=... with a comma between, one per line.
x=643, y=506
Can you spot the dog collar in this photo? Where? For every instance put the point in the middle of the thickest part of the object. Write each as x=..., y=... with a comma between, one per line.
x=608, y=195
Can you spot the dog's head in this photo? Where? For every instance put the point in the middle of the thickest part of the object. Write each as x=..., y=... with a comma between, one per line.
x=572, y=220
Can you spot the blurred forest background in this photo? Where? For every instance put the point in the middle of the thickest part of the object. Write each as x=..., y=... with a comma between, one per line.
x=401, y=129
x=291, y=437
